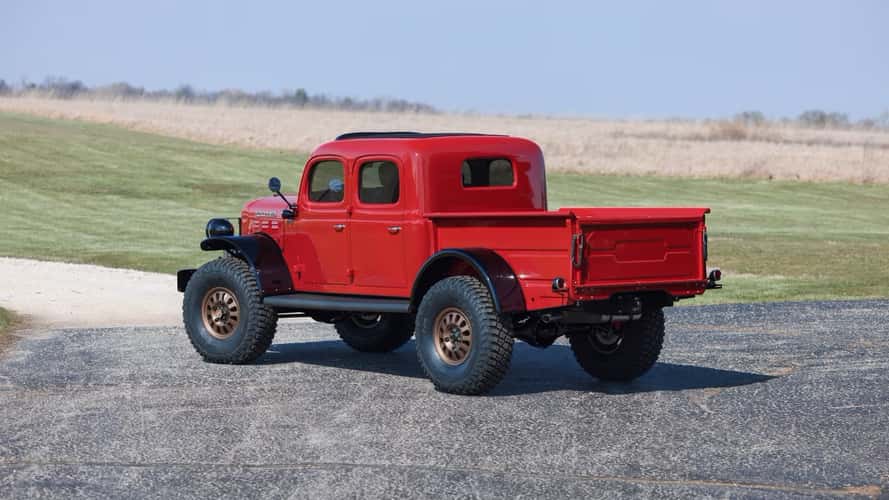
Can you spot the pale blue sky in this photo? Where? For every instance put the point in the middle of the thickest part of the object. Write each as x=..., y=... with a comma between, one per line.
x=622, y=59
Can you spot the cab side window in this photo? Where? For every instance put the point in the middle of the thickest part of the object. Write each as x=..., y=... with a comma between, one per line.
x=327, y=182
x=378, y=182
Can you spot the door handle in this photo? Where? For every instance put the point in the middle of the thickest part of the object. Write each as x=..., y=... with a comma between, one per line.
x=393, y=229
x=339, y=227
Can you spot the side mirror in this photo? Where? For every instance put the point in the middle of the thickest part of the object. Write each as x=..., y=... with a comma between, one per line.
x=275, y=187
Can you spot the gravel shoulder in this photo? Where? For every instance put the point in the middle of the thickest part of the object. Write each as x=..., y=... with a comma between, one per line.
x=782, y=400
x=62, y=295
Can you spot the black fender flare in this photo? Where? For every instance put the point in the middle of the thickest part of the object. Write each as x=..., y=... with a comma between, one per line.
x=487, y=264
x=262, y=254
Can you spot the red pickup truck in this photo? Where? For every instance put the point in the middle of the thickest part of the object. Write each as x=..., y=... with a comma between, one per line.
x=446, y=237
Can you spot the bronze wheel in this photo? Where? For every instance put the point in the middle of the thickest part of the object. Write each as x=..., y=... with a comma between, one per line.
x=462, y=343
x=223, y=313
x=220, y=312
x=453, y=336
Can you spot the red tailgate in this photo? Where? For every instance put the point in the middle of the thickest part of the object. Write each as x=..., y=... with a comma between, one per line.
x=631, y=249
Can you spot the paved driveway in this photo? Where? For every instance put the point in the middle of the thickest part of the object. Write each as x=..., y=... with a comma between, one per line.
x=782, y=400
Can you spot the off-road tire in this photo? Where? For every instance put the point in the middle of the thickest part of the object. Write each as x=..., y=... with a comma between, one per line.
x=637, y=353
x=390, y=332
x=257, y=322
x=490, y=350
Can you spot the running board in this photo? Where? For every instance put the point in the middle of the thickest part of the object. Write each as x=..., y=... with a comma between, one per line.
x=320, y=302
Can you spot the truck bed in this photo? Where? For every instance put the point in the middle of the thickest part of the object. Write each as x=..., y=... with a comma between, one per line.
x=597, y=251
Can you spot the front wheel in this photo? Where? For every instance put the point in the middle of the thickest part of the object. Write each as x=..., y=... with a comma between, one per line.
x=609, y=352
x=462, y=343
x=223, y=312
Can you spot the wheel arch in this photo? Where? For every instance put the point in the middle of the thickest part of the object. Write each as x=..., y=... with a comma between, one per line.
x=484, y=264
x=262, y=254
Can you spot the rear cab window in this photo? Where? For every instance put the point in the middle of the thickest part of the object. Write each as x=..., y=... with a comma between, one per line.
x=327, y=182
x=487, y=172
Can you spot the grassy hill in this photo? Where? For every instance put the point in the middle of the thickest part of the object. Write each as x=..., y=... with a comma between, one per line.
x=101, y=194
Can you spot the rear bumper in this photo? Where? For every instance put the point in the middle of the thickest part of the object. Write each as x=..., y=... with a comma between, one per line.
x=676, y=288
x=684, y=288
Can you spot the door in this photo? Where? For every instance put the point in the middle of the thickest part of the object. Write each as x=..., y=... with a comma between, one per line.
x=317, y=247
x=377, y=237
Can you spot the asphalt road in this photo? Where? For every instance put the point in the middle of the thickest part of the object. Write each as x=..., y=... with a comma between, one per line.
x=781, y=400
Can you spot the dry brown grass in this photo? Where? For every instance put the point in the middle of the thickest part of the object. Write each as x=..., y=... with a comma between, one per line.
x=677, y=148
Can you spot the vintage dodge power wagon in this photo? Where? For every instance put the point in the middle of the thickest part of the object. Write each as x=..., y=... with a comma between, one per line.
x=446, y=237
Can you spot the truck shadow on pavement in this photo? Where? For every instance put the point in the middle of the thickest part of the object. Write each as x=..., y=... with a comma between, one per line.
x=532, y=370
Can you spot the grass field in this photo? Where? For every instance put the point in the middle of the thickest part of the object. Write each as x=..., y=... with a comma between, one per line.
x=100, y=194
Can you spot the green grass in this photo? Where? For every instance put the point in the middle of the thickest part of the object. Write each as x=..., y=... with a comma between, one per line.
x=7, y=320
x=774, y=240
x=100, y=194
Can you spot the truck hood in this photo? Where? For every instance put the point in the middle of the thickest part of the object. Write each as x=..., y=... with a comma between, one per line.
x=268, y=206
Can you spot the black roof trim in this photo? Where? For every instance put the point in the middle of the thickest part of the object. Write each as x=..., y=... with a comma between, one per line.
x=404, y=135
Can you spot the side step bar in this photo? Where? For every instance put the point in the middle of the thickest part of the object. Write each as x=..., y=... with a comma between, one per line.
x=320, y=302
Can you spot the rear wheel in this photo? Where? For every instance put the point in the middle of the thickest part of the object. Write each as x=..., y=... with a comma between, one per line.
x=609, y=352
x=223, y=312
x=375, y=332
x=462, y=343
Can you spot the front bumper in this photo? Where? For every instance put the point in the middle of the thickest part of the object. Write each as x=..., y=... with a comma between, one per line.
x=182, y=278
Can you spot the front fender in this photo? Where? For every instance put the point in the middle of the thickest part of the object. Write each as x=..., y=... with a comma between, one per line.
x=263, y=255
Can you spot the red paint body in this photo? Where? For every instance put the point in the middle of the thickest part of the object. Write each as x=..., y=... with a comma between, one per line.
x=349, y=247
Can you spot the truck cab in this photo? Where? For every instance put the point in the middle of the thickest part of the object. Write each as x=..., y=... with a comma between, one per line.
x=382, y=220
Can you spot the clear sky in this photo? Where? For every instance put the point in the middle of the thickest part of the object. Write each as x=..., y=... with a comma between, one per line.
x=621, y=59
